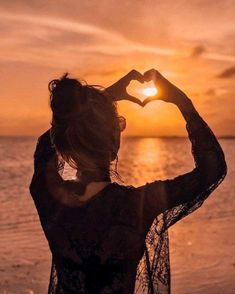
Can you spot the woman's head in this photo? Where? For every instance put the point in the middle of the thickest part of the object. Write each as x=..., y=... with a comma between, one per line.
x=85, y=124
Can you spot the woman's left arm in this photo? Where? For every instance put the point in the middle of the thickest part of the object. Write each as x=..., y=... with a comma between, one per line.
x=47, y=181
x=177, y=197
x=46, y=167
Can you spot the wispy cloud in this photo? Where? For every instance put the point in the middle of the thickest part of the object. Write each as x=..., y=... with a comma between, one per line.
x=198, y=51
x=219, y=57
x=211, y=92
x=227, y=73
x=41, y=39
x=27, y=30
x=216, y=91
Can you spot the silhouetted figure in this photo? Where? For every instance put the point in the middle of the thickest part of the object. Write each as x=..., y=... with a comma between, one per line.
x=105, y=236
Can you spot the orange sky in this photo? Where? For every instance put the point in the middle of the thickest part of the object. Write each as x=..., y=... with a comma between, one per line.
x=191, y=42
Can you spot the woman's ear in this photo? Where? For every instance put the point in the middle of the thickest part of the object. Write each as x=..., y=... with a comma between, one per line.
x=122, y=123
x=123, y=129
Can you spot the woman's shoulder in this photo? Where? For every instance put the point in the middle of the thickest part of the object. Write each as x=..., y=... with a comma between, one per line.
x=123, y=187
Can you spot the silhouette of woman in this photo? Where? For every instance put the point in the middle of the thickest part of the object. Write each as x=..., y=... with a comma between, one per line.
x=106, y=237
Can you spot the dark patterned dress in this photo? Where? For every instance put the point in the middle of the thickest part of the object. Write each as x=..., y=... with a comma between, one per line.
x=117, y=241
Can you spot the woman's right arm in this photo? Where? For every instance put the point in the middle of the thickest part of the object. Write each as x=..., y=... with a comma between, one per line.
x=210, y=165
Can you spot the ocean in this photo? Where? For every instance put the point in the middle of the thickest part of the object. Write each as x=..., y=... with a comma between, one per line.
x=202, y=245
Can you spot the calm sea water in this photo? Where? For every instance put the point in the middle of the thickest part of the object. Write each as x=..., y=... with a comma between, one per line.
x=202, y=246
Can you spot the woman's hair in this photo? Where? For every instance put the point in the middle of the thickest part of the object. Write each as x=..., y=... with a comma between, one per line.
x=85, y=124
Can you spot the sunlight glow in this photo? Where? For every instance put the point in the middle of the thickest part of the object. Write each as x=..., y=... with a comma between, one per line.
x=150, y=91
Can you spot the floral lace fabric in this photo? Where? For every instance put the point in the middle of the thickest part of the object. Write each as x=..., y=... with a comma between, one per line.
x=183, y=194
x=118, y=242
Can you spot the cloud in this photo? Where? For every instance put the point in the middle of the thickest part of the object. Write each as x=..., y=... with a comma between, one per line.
x=61, y=42
x=211, y=92
x=202, y=51
x=227, y=73
x=219, y=57
x=198, y=51
x=37, y=38
x=220, y=91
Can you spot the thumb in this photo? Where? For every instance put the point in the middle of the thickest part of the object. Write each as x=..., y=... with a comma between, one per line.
x=148, y=99
x=151, y=98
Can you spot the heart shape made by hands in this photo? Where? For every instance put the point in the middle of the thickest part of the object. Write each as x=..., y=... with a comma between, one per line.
x=142, y=91
x=119, y=89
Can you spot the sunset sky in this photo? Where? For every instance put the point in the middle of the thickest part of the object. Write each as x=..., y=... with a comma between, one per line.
x=192, y=43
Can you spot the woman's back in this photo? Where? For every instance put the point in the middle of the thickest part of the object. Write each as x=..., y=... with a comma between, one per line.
x=96, y=246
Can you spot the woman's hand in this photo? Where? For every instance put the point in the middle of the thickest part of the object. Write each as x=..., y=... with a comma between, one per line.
x=166, y=90
x=118, y=89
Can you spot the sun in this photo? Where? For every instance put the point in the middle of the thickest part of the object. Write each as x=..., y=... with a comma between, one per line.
x=152, y=91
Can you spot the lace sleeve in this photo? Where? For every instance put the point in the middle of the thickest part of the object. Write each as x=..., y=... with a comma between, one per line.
x=45, y=153
x=188, y=191
x=166, y=202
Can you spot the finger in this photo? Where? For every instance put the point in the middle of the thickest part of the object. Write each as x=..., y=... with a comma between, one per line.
x=151, y=75
x=148, y=99
x=134, y=99
x=135, y=75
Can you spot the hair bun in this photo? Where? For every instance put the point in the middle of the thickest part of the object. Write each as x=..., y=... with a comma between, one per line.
x=64, y=80
x=53, y=84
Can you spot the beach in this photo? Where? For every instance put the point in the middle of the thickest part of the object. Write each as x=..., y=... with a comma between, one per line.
x=202, y=245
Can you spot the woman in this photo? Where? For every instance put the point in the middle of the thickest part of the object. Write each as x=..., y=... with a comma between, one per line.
x=105, y=236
